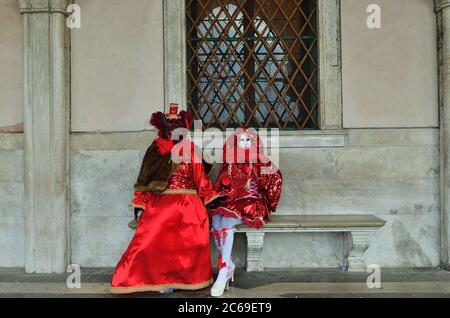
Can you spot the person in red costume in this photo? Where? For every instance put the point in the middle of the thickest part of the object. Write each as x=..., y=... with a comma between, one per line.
x=170, y=249
x=252, y=185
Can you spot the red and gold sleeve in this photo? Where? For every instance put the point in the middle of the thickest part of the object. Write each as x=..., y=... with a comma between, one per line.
x=271, y=182
x=141, y=199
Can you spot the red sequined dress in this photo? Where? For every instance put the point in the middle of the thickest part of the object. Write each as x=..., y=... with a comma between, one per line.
x=171, y=247
x=251, y=183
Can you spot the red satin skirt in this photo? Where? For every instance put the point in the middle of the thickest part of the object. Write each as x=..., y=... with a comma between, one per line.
x=251, y=211
x=170, y=248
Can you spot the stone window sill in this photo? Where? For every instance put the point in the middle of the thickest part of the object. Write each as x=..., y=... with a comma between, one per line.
x=291, y=139
x=314, y=139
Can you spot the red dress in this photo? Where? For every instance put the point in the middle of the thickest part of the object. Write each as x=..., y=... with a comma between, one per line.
x=251, y=194
x=249, y=180
x=171, y=246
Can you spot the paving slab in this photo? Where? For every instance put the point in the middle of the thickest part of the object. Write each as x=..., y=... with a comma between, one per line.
x=274, y=283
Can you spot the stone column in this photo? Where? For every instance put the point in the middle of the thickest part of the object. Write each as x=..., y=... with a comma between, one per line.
x=443, y=18
x=174, y=53
x=330, y=64
x=46, y=135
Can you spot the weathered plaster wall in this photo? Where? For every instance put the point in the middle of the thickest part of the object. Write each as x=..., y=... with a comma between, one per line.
x=389, y=75
x=12, y=227
x=393, y=174
x=390, y=173
x=117, y=65
x=11, y=64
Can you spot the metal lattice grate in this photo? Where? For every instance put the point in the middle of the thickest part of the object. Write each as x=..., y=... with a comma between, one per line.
x=253, y=63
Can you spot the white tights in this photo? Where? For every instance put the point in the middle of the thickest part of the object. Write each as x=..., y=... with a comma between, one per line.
x=223, y=237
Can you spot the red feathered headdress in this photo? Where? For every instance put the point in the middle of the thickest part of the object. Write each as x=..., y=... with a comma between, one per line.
x=233, y=154
x=166, y=123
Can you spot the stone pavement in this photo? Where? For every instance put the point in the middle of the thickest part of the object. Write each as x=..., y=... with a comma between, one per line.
x=291, y=283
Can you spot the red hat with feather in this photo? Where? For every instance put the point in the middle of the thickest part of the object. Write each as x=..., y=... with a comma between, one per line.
x=166, y=123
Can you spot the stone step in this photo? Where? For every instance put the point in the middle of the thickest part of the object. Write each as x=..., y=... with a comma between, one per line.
x=275, y=290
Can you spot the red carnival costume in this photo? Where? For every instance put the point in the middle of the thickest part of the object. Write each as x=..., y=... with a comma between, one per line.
x=250, y=181
x=170, y=249
x=252, y=185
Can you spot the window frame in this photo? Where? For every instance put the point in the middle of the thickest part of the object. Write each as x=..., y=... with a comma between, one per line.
x=329, y=49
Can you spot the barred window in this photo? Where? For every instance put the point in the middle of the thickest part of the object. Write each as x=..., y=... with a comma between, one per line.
x=253, y=63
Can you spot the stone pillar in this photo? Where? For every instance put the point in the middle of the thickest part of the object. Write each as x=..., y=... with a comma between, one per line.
x=174, y=53
x=255, y=246
x=357, y=242
x=443, y=18
x=330, y=64
x=46, y=135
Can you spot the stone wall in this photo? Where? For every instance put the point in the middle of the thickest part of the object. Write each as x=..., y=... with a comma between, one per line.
x=390, y=173
x=12, y=225
x=393, y=174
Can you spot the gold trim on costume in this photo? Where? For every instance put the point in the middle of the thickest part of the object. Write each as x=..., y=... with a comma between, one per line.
x=179, y=191
x=156, y=288
x=214, y=198
x=138, y=206
x=154, y=186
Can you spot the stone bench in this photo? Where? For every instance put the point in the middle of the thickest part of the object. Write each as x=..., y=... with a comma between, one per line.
x=356, y=229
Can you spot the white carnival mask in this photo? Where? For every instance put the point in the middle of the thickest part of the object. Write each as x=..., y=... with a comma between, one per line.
x=244, y=141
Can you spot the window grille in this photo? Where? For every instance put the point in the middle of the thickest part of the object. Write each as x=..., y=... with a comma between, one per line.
x=253, y=63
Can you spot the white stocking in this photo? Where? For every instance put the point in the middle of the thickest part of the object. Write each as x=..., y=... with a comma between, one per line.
x=217, y=226
x=228, y=225
x=227, y=230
